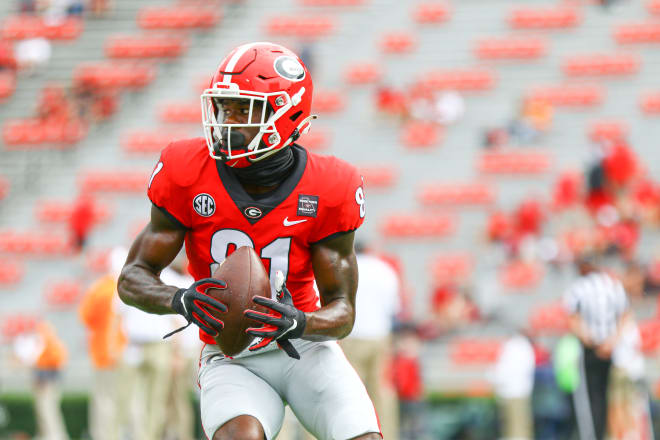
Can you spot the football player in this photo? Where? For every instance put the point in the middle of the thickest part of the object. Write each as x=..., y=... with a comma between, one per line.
x=247, y=183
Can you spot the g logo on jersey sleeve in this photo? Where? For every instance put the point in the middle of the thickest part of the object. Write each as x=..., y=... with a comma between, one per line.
x=204, y=205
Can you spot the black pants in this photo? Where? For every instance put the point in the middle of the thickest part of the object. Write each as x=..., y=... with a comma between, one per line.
x=596, y=376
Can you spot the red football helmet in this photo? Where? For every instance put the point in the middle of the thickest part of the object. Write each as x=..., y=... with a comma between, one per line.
x=258, y=72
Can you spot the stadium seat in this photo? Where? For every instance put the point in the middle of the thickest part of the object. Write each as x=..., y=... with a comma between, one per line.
x=514, y=161
x=17, y=323
x=451, y=267
x=420, y=225
x=638, y=33
x=328, y=101
x=650, y=103
x=363, y=73
x=521, y=275
x=300, y=26
x=570, y=95
x=549, y=319
x=616, y=64
x=145, y=46
x=114, y=75
x=181, y=112
x=649, y=332
x=607, y=129
x=98, y=260
x=4, y=187
x=11, y=272
x=460, y=193
x=378, y=176
x=62, y=293
x=473, y=351
x=653, y=6
x=558, y=17
x=420, y=134
x=398, y=42
x=510, y=48
x=150, y=141
x=177, y=17
x=428, y=13
x=58, y=211
x=332, y=2
x=477, y=79
x=40, y=243
x=36, y=133
x=7, y=84
x=20, y=27
x=117, y=181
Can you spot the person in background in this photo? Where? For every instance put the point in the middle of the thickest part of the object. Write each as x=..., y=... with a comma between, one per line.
x=106, y=342
x=43, y=350
x=513, y=380
x=81, y=220
x=598, y=310
x=368, y=346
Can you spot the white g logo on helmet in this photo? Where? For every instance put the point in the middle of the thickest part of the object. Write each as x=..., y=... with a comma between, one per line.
x=289, y=68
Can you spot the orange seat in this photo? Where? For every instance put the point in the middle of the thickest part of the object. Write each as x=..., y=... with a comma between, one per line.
x=328, y=101
x=114, y=75
x=608, y=129
x=614, y=64
x=549, y=319
x=17, y=323
x=510, y=48
x=300, y=26
x=363, y=73
x=650, y=103
x=58, y=211
x=181, y=112
x=98, y=260
x=177, y=17
x=421, y=225
x=145, y=46
x=544, y=17
x=378, y=176
x=7, y=84
x=34, y=242
x=315, y=140
x=570, y=95
x=649, y=332
x=11, y=272
x=473, y=351
x=514, y=162
x=637, y=33
x=477, y=79
x=121, y=181
x=19, y=27
x=35, y=133
x=426, y=13
x=470, y=193
x=451, y=267
x=397, y=42
x=420, y=134
x=521, y=275
x=150, y=141
x=653, y=6
x=62, y=293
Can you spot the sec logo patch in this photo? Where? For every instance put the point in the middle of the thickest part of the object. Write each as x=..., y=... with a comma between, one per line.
x=204, y=205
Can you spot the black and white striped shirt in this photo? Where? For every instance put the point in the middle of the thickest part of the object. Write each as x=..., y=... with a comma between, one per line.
x=600, y=300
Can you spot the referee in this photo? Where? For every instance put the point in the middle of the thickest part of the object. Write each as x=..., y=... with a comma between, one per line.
x=597, y=306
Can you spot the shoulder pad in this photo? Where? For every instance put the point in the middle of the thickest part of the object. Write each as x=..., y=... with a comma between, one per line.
x=189, y=157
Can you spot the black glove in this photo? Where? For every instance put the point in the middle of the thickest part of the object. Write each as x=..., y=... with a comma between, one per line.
x=283, y=323
x=195, y=305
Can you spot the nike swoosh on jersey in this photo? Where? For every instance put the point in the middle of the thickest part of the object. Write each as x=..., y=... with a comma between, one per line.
x=292, y=222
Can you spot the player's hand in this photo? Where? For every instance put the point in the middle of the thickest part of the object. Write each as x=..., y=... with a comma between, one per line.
x=195, y=305
x=282, y=323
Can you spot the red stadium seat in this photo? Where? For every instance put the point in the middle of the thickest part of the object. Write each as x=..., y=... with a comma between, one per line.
x=477, y=79
x=638, y=33
x=472, y=351
x=120, y=181
x=7, y=84
x=300, y=26
x=39, y=243
x=649, y=332
x=397, y=42
x=98, y=260
x=332, y=2
x=19, y=27
x=451, y=267
x=420, y=134
x=378, y=177
x=316, y=139
x=11, y=272
x=653, y=6
x=427, y=13
x=181, y=112
x=4, y=187
x=145, y=46
x=549, y=319
x=114, y=75
x=328, y=101
x=150, y=141
x=510, y=48
x=58, y=211
x=514, y=162
x=570, y=95
x=521, y=275
x=62, y=293
x=608, y=129
x=17, y=323
x=471, y=193
x=650, y=103
x=363, y=73
x=420, y=225
x=525, y=17
x=616, y=64
x=177, y=17
x=36, y=133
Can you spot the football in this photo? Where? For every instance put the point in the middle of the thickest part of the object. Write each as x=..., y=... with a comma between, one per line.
x=246, y=277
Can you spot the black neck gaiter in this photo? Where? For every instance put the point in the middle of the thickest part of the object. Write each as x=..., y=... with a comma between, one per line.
x=268, y=172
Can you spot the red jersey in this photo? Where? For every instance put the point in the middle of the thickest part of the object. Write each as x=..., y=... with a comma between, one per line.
x=323, y=197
